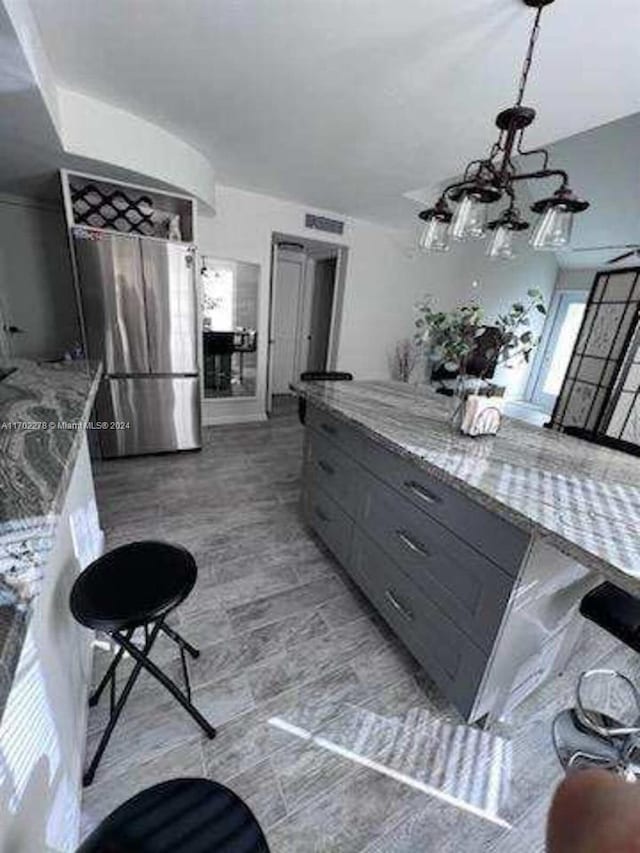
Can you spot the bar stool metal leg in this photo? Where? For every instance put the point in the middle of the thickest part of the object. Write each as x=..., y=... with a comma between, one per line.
x=195, y=653
x=89, y=774
x=149, y=665
x=108, y=676
x=142, y=659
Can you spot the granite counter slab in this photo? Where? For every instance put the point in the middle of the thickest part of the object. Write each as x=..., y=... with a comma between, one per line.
x=42, y=410
x=584, y=499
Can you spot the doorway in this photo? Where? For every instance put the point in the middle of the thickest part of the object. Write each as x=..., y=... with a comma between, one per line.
x=305, y=305
x=565, y=320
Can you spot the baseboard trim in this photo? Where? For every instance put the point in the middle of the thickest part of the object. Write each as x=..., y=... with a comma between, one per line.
x=221, y=420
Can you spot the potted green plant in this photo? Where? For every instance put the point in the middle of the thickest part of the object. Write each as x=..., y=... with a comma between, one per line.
x=450, y=339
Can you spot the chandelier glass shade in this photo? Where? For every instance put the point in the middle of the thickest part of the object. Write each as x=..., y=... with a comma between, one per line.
x=461, y=212
x=434, y=236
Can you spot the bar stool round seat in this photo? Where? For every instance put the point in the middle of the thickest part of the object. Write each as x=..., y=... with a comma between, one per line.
x=179, y=816
x=132, y=585
x=616, y=611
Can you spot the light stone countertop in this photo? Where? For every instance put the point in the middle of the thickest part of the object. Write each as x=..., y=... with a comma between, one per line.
x=35, y=468
x=36, y=462
x=582, y=498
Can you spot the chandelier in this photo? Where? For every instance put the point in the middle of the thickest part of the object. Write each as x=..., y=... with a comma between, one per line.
x=461, y=212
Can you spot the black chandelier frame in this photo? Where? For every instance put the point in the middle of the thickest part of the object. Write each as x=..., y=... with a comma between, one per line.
x=489, y=179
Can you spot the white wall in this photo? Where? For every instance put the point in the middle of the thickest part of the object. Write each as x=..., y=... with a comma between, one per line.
x=576, y=279
x=99, y=131
x=385, y=277
x=36, y=285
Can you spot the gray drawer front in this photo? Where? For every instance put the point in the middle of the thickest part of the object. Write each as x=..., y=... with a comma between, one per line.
x=333, y=428
x=486, y=532
x=331, y=523
x=449, y=657
x=334, y=471
x=470, y=589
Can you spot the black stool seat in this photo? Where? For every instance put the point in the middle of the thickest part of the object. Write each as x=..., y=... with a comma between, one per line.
x=615, y=610
x=180, y=816
x=132, y=585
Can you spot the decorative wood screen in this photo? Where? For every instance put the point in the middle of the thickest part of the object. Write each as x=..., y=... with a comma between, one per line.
x=599, y=398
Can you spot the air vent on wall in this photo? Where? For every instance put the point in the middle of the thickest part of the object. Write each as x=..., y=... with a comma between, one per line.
x=323, y=223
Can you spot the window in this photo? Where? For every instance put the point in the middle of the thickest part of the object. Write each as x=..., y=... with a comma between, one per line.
x=557, y=345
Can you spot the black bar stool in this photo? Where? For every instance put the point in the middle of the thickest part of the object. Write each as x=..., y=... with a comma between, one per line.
x=179, y=816
x=136, y=586
x=592, y=734
x=615, y=610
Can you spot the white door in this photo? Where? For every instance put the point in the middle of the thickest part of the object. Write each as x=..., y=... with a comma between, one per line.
x=285, y=310
x=565, y=320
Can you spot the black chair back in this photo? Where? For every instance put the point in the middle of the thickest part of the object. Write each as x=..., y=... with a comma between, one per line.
x=319, y=376
x=325, y=376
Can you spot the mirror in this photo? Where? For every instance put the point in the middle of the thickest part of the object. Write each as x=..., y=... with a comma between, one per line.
x=229, y=324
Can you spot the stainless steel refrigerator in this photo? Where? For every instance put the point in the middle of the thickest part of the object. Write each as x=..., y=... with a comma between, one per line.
x=139, y=312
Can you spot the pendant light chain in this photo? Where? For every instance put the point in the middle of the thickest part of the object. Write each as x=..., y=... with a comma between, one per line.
x=533, y=38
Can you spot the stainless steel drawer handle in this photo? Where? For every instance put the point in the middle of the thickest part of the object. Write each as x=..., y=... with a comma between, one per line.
x=321, y=514
x=330, y=430
x=393, y=601
x=324, y=466
x=422, y=493
x=412, y=544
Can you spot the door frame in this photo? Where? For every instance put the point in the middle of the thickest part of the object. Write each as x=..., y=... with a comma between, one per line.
x=342, y=253
x=562, y=299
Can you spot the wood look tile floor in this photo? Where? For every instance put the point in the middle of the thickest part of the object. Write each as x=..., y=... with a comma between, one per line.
x=326, y=726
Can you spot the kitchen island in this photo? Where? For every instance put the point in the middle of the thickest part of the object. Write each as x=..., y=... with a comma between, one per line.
x=49, y=531
x=477, y=552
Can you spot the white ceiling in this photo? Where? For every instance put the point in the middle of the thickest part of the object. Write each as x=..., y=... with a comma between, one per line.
x=605, y=168
x=345, y=104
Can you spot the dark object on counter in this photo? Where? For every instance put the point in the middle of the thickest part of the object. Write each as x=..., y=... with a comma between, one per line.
x=481, y=361
x=136, y=586
x=616, y=611
x=319, y=376
x=179, y=816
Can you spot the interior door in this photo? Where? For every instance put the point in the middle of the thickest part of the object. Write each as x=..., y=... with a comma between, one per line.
x=321, y=314
x=171, y=307
x=285, y=309
x=566, y=320
x=113, y=300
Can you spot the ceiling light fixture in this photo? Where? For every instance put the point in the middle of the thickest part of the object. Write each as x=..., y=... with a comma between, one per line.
x=488, y=180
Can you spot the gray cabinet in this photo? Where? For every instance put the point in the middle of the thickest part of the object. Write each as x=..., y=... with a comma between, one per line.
x=330, y=522
x=467, y=587
x=438, y=567
x=452, y=660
